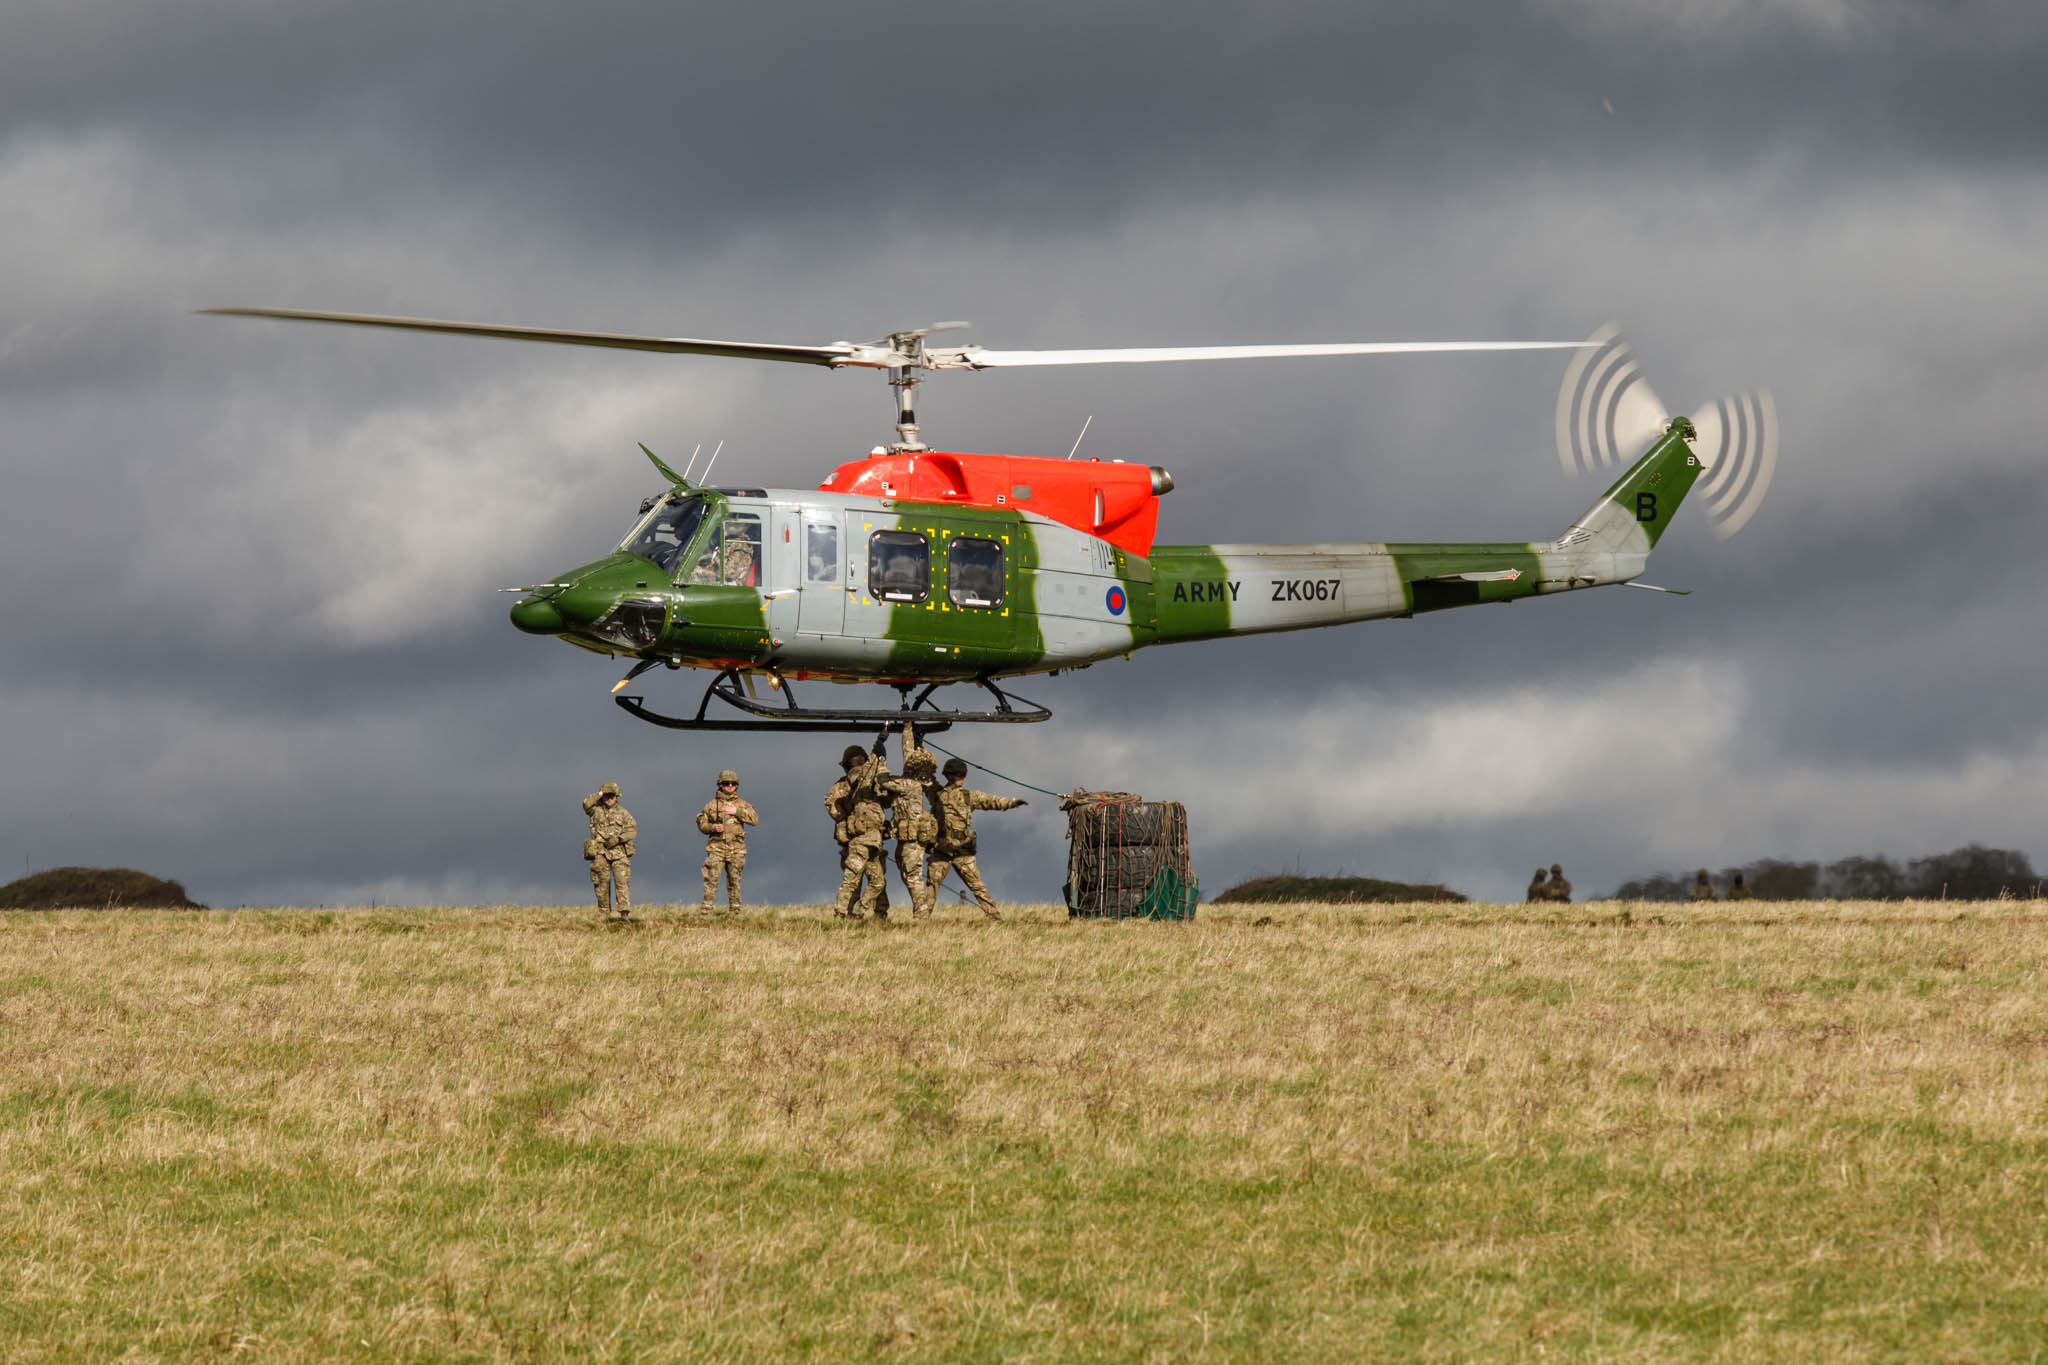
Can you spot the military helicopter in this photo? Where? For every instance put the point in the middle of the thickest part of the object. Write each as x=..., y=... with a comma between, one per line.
x=919, y=568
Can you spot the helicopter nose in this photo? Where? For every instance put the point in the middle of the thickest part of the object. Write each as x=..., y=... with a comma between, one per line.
x=538, y=616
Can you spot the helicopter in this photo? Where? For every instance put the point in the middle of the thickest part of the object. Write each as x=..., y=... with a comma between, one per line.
x=921, y=568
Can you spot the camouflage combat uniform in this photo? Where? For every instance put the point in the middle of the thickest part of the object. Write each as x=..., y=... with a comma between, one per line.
x=1702, y=889
x=609, y=851
x=850, y=803
x=1738, y=890
x=1539, y=890
x=954, y=805
x=723, y=822
x=915, y=826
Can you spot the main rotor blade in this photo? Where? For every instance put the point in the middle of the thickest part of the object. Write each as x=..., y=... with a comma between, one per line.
x=834, y=354
x=977, y=358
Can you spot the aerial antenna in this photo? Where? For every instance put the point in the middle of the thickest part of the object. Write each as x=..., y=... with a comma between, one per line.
x=705, y=482
x=693, y=461
x=1084, y=433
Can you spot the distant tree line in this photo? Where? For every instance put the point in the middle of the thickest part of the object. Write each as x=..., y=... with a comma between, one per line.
x=1972, y=872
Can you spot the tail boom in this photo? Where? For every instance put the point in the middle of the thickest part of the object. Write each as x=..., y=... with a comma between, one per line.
x=1209, y=591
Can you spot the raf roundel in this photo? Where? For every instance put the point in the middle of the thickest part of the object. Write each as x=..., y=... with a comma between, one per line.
x=1115, y=601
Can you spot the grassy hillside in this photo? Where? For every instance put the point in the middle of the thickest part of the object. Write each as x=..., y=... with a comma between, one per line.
x=1430, y=1131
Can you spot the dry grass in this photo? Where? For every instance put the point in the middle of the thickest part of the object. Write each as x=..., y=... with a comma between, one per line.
x=1648, y=1132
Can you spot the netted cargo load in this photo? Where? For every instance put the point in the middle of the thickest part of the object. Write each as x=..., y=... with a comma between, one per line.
x=1127, y=858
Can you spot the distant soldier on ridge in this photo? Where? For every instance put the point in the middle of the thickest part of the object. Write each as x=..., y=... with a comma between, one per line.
x=1559, y=889
x=1703, y=889
x=955, y=805
x=723, y=822
x=1539, y=890
x=1738, y=890
x=609, y=851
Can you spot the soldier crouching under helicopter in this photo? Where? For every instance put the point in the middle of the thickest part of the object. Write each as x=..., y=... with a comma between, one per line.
x=723, y=822
x=954, y=805
x=855, y=805
x=609, y=851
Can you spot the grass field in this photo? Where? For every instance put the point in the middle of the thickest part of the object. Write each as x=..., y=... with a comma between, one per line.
x=1813, y=1131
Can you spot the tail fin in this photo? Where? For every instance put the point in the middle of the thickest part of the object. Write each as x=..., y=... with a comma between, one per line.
x=1631, y=516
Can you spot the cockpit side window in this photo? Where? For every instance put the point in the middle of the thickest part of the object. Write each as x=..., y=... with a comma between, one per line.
x=666, y=531
x=733, y=555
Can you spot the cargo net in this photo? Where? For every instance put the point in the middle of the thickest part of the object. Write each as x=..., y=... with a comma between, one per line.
x=1127, y=857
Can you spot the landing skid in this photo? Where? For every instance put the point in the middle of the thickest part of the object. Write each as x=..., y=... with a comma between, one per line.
x=790, y=718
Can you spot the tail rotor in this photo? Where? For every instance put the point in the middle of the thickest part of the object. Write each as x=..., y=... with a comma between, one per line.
x=1607, y=415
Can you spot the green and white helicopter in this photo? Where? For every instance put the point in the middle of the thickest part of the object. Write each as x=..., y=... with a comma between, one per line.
x=917, y=568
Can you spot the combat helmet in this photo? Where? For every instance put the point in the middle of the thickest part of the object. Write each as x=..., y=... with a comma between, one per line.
x=955, y=767
x=608, y=789
x=726, y=775
x=853, y=757
x=919, y=763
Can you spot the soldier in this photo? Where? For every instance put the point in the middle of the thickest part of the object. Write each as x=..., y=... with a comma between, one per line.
x=856, y=811
x=915, y=827
x=1737, y=890
x=1559, y=889
x=723, y=822
x=955, y=804
x=1702, y=889
x=1539, y=890
x=609, y=851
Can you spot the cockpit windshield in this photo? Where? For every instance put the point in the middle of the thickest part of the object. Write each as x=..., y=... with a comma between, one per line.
x=666, y=531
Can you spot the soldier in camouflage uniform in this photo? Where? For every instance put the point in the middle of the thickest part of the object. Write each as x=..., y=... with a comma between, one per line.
x=1738, y=890
x=723, y=822
x=1559, y=889
x=849, y=803
x=1539, y=890
x=915, y=826
x=954, y=804
x=1703, y=889
x=609, y=851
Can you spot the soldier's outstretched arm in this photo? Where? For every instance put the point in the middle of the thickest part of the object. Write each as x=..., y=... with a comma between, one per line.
x=984, y=801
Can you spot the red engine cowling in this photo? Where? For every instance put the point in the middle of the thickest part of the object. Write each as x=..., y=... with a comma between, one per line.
x=1118, y=502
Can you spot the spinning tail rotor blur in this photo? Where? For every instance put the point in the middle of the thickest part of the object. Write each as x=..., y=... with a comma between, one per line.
x=1607, y=414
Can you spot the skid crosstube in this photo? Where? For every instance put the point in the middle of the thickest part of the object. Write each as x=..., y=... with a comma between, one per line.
x=790, y=718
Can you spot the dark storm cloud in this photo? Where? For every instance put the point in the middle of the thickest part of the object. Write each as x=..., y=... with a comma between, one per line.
x=253, y=641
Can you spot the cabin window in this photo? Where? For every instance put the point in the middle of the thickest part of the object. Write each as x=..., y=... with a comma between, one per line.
x=974, y=572
x=821, y=553
x=899, y=566
x=733, y=555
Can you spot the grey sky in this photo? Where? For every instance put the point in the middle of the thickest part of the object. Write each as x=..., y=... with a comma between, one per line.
x=252, y=637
